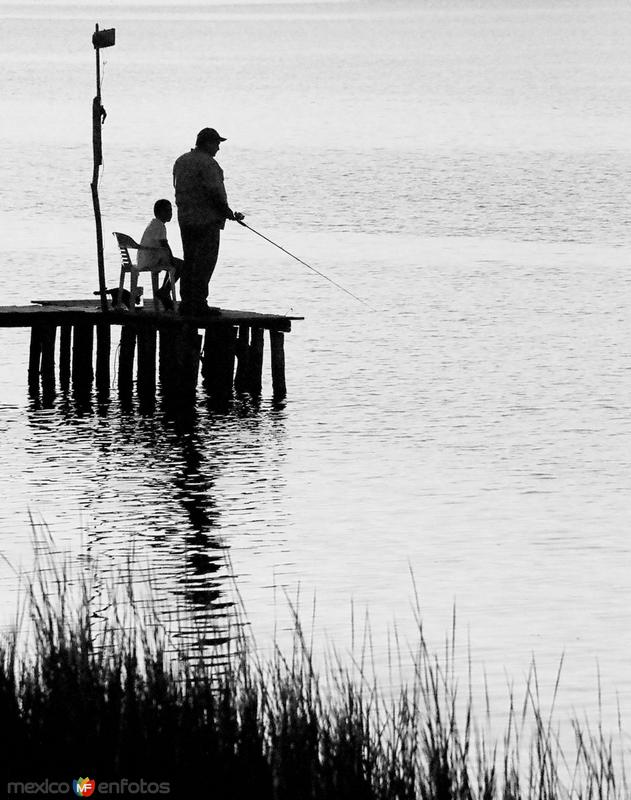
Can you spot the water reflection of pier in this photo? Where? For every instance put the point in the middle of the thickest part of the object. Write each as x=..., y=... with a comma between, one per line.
x=151, y=487
x=211, y=621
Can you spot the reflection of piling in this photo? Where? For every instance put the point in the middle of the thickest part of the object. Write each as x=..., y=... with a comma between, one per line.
x=232, y=360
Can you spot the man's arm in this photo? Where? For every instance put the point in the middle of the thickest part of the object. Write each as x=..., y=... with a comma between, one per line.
x=212, y=181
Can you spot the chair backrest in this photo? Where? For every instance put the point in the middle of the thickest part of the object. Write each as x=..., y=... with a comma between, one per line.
x=125, y=244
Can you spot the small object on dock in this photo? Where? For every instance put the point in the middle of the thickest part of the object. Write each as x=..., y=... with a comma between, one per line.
x=122, y=297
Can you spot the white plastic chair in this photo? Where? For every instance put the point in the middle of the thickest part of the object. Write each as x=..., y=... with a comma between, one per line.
x=125, y=244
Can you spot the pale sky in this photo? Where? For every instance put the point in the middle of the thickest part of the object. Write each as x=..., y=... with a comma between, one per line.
x=101, y=4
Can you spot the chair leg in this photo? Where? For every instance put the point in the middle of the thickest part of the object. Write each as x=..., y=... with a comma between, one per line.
x=172, y=282
x=154, y=288
x=133, y=289
x=121, y=286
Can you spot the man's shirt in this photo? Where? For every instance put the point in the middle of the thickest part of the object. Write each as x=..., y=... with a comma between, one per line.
x=200, y=193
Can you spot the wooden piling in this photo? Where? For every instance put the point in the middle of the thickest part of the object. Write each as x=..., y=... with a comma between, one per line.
x=147, y=366
x=48, y=338
x=179, y=364
x=188, y=347
x=219, y=356
x=126, y=362
x=103, y=347
x=243, y=359
x=230, y=335
x=34, y=357
x=65, y=338
x=255, y=365
x=165, y=354
x=82, y=370
x=277, y=348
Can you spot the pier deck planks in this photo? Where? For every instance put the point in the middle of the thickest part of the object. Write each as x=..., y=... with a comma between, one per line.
x=71, y=312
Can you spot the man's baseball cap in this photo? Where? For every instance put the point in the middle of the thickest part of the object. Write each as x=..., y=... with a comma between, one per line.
x=208, y=135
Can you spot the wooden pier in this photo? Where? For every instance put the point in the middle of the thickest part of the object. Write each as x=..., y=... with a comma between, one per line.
x=229, y=349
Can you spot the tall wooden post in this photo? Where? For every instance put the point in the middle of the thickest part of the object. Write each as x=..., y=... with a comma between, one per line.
x=99, y=39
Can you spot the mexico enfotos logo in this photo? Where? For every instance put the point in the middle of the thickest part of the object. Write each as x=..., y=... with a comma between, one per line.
x=86, y=787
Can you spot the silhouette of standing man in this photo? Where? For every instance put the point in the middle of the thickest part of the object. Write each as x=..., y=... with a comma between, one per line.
x=202, y=211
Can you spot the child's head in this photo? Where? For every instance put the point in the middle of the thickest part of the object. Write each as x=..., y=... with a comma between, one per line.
x=163, y=210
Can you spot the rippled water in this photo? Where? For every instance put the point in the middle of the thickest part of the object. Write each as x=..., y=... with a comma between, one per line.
x=465, y=170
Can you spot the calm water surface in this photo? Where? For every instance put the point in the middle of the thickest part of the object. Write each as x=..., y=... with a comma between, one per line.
x=466, y=171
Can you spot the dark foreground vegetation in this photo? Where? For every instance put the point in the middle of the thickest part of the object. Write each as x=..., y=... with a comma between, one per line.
x=114, y=703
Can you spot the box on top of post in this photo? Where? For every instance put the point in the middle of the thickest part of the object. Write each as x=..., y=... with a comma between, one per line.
x=105, y=38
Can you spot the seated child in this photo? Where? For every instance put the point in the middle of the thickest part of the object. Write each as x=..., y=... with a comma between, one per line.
x=158, y=252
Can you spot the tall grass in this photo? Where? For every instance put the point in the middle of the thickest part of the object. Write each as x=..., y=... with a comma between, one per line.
x=106, y=699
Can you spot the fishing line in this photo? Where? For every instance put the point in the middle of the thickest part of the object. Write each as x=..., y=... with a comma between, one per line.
x=304, y=263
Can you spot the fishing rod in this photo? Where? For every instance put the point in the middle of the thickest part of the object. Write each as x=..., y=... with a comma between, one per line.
x=308, y=266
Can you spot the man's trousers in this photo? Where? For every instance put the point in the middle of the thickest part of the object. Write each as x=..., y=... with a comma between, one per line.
x=200, y=244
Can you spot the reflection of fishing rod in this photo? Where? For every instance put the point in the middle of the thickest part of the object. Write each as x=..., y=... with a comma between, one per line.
x=304, y=263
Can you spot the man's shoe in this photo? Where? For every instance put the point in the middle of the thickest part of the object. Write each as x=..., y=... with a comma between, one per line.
x=199, y=311
x=209, y=311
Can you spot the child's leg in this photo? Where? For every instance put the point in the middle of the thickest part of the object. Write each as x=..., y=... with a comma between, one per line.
x=177, y=264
